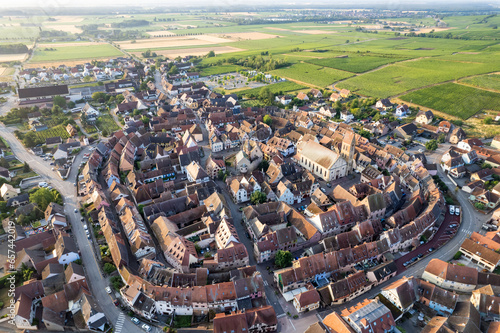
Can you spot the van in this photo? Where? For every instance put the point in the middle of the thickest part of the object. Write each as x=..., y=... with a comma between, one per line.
x=42, y=184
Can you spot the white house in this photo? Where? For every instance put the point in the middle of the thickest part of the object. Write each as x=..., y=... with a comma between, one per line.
x=402, y=110
x=66, y=250
x=346, y=116
x=216, y=144
x=284, y=194
x=195, y=173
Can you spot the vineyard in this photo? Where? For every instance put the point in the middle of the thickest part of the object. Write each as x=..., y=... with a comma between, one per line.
x=52, y=132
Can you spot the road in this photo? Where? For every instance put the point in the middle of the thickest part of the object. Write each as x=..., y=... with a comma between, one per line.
x=96, y=281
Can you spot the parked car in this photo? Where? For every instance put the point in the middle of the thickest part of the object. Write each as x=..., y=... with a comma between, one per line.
x=146, y=327
x=76, y=210
x=452, y=209
x=135, y=320
x=457, y=210
x=328, y=185
x=108, y=290
x=116, y=302
x=431, y=249
x=323, y=190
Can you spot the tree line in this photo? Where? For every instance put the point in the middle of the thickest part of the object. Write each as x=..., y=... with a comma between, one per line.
x=13, y=48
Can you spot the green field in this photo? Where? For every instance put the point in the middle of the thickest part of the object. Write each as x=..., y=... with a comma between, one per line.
x=356, y=63
x=275, y=88
x=222, y=69
x=76, y=52
x=312, y=74
x=491, y=81
x=106, y=122
x=398, y=78
x=58, y=130
x=455, y=99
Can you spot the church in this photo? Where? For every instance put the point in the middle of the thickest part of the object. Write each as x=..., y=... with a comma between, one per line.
x=325, y=163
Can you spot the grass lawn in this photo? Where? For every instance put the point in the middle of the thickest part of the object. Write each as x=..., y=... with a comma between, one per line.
x=455, y=99
x=275, y=88
x=491, y=81
x=76, y=52
x=312, y=74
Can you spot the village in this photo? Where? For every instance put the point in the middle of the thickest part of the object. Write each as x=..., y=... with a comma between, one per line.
x=196, y=211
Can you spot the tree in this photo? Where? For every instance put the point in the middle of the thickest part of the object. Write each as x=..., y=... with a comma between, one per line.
x=4, y=163
x=211, y=54
x=26, y=168
x=488, y=120
x=105, y=132
x=174, y=70
x=30, y=139
x=43, y=197
x=258, y=197
x=220, y=174
x=267, y=120
x=109, y=268
x=145, y=120
x=431, y=145
x=364, y=133
x=441, y=138
x=266, y=96
x=283, y=259
x=59, y=101
x=98, y=96
x=263, y=166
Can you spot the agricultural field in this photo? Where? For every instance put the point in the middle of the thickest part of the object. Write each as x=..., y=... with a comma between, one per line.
x=106, y=122
x=356, y=63
x=491, y=81
x=222, y=69
x=276, y=88
x=455, y=99
x=54, y=131
x=401, y=77
x=310, y=74
x=75, y=51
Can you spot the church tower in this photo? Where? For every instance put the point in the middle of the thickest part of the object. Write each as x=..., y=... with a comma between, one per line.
x=347, y=151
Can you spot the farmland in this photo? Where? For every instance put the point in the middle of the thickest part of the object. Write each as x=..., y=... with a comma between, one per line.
x=312, y=74
x=356, y=63
x=399, y=78
x=491, y=81
x=215, y=70
x=455, y=99
x=58, y=130
x=276, y=88
x=76, y=52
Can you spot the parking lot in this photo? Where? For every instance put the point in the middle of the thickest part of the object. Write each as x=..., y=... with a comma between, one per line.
x=446, y=231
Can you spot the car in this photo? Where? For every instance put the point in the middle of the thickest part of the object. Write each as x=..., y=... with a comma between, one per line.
x=328, y=185
x=74, y=184
x=135, y=320
x=88, y=236
x=43, y=184
x=420, y=255
x=116, y=302
x=183, y=178
x=76, y=210
x=453, y=225
x=108, y=290
x=405, y=264
x=431, y=249
x=323, y=190
x=457, y=210
x=53, y=169
x=82, y=219
x=84, y=226
x=452, y=209
x=51, y=163
x=146, y=327
x=49, y=187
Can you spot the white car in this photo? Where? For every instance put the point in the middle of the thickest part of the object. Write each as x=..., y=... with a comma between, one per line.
x=146, y=327
x=135, y=320
x=108, y=290
x=452, y=209
x=457, y=210
x=42, y=184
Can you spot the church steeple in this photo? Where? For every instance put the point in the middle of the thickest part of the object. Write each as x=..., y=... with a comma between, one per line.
x=347, y=150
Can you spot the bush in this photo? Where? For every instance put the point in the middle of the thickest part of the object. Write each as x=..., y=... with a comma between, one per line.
x=295, y=316
x=109, y=268
x=457, y=255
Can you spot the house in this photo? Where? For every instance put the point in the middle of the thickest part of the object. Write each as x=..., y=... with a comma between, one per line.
x=254, y=320
x=424, y=117
x=457, y=135
x=406, y=131
x=370, y=315
x=468, y=144
x=302, y=96
x=71, y=130
x=401, y=293
x=8, y=192
x=306, y=301
x=444, y=126
x=487, y=198
x=90, y=113
x=450, y=276
x=53, y=141
x=334, y=97
x=346, y=116
x=4, y=173
x=495, y=143
x=481, y=251
x=285, y=99
x=440, y=300
x=26, y=299
x=196, y=174
x=66, y=250
x=19, y=200
x=402, y=111
x=344, y=93
x=41, y=94
x=384, y=104
x=216, y=144
x=213, y=166
x=316, y=93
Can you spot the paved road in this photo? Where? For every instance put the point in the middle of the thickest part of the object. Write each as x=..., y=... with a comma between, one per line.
x=97, y=282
